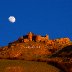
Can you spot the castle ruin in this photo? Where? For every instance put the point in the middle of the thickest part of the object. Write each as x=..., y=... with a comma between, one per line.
x=38, y=38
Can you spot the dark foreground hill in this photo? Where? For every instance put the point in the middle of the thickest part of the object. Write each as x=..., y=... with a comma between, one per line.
x=64, y=52
x=62, y=59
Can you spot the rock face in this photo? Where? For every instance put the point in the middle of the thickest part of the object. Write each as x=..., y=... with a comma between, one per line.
x=33, y=46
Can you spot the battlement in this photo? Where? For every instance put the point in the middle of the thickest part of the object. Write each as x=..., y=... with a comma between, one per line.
x=31, y=37
x=38, y=38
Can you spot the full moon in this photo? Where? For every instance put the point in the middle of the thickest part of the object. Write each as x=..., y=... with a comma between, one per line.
x=12, y=19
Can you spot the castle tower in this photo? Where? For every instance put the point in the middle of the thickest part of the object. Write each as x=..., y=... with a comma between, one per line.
x=47, y=37
x=38, y=38
x=30, y=36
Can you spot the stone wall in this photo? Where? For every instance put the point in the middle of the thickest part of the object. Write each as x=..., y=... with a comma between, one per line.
x=40, y=38
x=63, y=41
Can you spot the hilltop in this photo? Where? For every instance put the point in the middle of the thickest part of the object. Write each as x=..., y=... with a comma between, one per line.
x=57, y=52
x=33, y=46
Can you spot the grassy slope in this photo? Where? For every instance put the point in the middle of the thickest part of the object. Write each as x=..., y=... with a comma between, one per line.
x=27, y=66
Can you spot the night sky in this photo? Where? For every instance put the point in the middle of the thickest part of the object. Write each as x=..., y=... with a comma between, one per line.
x=52, y=17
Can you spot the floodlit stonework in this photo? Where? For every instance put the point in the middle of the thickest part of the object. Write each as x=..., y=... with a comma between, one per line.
x=38, y=38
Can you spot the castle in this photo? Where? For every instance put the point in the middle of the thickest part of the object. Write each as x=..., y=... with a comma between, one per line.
x=31, y=37
x=37, y=44
x=38, y=38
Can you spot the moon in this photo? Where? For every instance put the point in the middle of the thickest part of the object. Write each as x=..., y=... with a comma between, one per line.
x=12, y=19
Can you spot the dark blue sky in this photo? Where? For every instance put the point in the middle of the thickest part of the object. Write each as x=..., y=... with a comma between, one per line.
x=53, y=17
